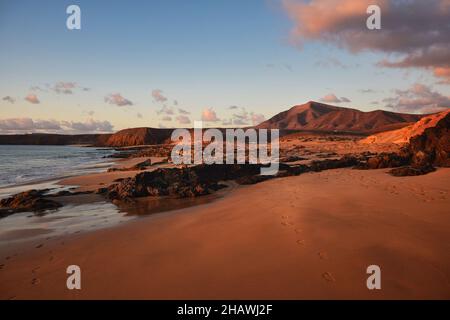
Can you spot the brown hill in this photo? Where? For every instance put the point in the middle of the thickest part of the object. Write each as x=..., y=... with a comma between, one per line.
x=314, y=116
x=403, y=135
x=138, y=136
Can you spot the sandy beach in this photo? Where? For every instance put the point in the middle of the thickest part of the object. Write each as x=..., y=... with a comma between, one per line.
x=305, y=237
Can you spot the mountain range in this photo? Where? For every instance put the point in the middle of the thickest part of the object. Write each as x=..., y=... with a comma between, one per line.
x=311, y=116
x=314, y=116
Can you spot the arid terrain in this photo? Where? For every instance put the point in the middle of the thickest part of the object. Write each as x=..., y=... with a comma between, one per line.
x=340, y=203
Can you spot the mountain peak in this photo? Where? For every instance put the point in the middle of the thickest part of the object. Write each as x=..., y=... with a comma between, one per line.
x=316, y=116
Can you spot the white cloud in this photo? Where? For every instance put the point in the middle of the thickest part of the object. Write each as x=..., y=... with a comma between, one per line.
x=166, y=110
x=182, y=111
x=64, y=87
x=118, y=100
x=257, y=118
x=418, y=99
x=182, y=119
x=331, y=98
x=21, y=125
x=9, y=99
x=158, y=96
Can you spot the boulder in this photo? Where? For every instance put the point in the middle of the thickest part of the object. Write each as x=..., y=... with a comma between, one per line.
x=411, y=171
x=31, y=200
x=432, y=147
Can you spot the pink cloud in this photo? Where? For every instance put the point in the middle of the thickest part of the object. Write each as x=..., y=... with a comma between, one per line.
x=416, y=31
x=257, y=118
x=118, y=100
x=157, y=94
x=32, y=98
x=209, y=115
x=331, y=98
x=182, y=119
x=419, y=99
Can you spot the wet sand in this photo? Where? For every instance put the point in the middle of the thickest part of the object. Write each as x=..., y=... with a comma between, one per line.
x=94, y=181
x=310, y=236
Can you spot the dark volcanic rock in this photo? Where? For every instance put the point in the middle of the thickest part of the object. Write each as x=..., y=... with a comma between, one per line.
x=344, y=162
x=432, y=146
x=386, y=160
x=292, y=159
x=32, y=200
x=411, y=171
x=180, y=182
x=140, y=166
x=203, y=179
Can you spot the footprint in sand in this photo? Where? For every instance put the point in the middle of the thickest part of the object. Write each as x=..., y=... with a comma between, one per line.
x=328, y=277
x=35, y=269
x=2, y=266
x=35, y=281
x=298, y=230
x=287, y=223
x=39, y=246
x=301, y=242
x=323, y=255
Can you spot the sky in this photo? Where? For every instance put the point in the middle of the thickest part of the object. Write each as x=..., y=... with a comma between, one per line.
x=167, y=63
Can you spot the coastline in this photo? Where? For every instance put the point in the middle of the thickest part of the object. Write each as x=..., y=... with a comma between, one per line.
x=296, y=243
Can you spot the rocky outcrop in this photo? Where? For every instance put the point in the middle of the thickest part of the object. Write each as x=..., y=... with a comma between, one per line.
x=203, y=179
x=411, y=171
x=432, y=146
x=180, y=182
x=386, y=160
x=32, y=200
x=140, y=166
x=344, y=162
x=429, y=149
x=404, y=135
x=292, y=159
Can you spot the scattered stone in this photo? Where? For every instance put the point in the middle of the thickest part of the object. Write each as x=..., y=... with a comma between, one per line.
x=101, y=190
x=411, y=171
x=292, y=159
x=386, y=160
x=432, y=147
x=31, y=200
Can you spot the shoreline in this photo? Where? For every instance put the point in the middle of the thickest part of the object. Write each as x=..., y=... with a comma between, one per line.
x=291, y=245
x=309, y=232
x=92, y=166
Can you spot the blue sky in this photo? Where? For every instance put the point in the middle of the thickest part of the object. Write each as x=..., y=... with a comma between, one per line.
x=202, y=54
